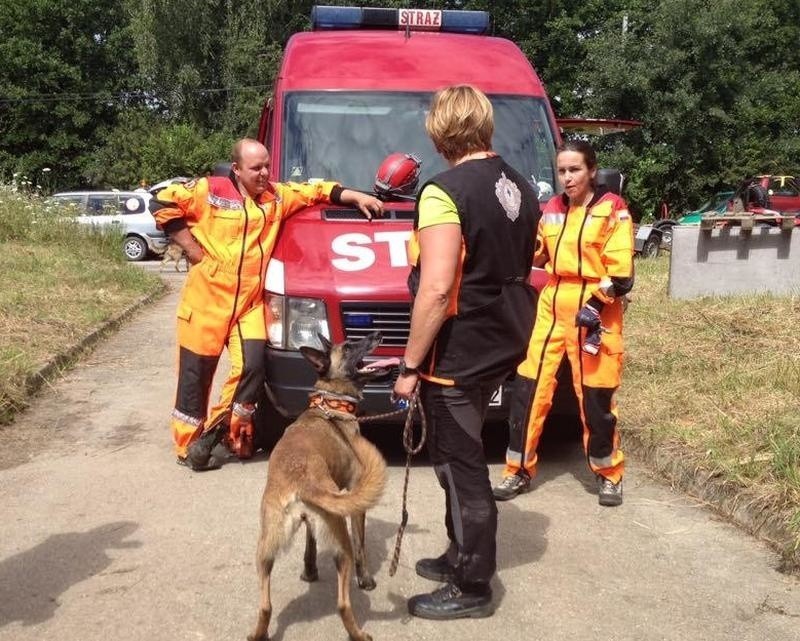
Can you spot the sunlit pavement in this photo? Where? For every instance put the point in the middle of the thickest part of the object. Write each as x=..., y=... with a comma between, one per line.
x=102, y=536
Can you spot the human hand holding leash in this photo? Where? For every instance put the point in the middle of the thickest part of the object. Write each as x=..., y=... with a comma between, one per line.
x=406, y=383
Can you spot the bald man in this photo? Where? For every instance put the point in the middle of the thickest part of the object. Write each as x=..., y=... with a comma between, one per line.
x=228, y=225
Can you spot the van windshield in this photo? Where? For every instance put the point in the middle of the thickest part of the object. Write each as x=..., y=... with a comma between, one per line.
x=344, y=136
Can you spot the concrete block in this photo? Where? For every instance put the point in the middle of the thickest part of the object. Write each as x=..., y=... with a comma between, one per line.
x=719, y=262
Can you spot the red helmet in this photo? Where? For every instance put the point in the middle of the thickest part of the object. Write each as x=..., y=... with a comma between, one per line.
x=397, y=175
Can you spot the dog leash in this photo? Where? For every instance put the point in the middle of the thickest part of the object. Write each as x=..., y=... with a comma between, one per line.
x=414, y=405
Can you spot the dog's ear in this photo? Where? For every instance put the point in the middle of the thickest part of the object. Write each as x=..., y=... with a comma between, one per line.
x=320, y=360
x=359, y=349
x=371, y=341
x=326, y=344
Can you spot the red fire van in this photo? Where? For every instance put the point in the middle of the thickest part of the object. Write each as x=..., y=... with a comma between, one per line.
x=348, y=93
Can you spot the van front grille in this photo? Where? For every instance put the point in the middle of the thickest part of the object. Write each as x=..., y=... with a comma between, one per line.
x=393, y=320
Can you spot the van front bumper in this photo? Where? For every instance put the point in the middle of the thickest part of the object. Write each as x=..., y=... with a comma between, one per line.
x=291, y=379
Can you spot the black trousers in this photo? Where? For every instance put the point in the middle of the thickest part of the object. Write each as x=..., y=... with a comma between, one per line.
x=455, y=420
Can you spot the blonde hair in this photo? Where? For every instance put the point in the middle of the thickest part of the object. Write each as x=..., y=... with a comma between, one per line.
x=460, y=122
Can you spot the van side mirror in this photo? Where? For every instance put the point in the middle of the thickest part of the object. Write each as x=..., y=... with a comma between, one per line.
x=611, y=179
x=265, y=123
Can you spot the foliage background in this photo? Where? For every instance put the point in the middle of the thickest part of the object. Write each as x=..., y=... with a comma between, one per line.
x=112, y=92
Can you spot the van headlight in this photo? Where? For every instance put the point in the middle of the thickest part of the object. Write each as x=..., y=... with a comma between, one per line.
x=293, y=322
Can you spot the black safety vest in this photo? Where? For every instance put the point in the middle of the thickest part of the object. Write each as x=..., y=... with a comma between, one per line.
x=494, y=305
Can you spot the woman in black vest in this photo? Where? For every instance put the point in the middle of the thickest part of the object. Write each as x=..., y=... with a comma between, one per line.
x=471, y=255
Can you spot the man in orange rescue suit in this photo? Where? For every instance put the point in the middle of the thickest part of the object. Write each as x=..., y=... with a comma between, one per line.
x=585, y=241
x=228, y=225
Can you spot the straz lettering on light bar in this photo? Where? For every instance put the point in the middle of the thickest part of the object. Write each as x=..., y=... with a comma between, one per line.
x=420, y=18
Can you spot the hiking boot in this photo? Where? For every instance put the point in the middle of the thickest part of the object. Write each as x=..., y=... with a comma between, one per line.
x=510, y=486
x=198, y=454
x=211, y=464
x=609, y=493
x=438, y=569
x=450, y=602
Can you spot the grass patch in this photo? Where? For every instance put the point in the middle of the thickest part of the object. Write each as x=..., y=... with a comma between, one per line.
x=61, y=281
x=716, y=381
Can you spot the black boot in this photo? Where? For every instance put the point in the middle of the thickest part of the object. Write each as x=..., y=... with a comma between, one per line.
x=438, y=569
x=450, y=602
x=609, y=493
x=198, y=454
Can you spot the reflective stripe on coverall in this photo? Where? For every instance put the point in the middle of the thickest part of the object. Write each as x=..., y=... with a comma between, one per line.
x=223, y=298
x=587, y=250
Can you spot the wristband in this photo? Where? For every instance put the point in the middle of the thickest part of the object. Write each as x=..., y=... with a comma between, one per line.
x=404, y=369
x=336, y=195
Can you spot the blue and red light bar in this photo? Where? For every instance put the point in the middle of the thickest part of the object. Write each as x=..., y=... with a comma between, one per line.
x=451, y=21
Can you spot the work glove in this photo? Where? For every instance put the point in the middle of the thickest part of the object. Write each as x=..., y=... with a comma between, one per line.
x=588, y=317
x=591, y=344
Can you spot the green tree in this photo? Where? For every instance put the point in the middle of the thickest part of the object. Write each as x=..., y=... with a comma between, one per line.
x=67, y=73
x=212, y=62
x=719, y=95
x=140, y=149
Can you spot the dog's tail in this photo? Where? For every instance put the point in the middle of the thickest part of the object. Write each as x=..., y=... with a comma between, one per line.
x=365, y=493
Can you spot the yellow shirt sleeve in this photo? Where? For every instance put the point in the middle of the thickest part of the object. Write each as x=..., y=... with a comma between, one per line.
x=436, y=207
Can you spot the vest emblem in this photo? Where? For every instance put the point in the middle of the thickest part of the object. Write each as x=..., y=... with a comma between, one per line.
x=509, y=196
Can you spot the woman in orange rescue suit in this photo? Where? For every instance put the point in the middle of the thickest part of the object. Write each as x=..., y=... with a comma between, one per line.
x=227, y=225
x=585, y=242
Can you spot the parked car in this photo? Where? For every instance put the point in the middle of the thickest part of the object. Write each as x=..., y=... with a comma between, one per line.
x=166, y=183
x=767, y=194
x=717, y=205
x=649, y=239
x=126, y=209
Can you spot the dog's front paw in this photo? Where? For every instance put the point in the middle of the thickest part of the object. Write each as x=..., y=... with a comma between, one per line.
x=367, y=583
x=259, y=637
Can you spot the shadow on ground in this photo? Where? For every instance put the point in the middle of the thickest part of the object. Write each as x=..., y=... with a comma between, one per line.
x=31, y=582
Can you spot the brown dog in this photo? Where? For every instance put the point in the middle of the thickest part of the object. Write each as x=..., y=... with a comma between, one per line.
x=174, y=254
x=321, y=471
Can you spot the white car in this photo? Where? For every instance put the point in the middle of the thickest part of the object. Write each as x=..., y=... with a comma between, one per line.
x=126, y=209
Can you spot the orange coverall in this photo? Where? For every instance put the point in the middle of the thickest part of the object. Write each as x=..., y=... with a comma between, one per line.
x=222, y=303
x=587, y=251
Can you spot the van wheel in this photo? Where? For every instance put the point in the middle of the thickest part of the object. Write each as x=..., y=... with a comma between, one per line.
x=134, y=248
x=268, y=423
x=650, y=247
